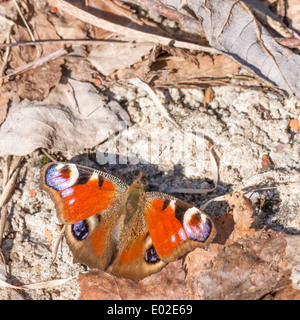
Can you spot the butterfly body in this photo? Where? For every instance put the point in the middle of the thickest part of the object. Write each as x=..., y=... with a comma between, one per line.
x=119, y=228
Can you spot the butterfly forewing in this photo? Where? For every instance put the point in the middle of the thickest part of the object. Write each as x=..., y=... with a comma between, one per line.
x=176, y=227
x=80, y=192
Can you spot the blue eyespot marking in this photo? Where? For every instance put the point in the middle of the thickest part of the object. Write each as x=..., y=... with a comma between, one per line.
x=80, y=230
x=151, y=256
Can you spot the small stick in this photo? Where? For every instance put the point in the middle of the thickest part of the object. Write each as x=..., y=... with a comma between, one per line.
x=3, y=217
x=24, y=20
x=39, y=49
x=140, y=84
x=8, y=188
x=48, y=155
x=5, y=57
x=37, y=63
x=62, y=41
x=5, y=170
x=62, y=232
x=10, y=174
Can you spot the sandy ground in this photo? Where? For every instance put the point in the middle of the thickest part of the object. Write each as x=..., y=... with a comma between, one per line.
x=243, y=125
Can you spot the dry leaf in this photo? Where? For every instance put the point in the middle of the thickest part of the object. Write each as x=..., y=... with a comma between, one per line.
x=35, y=84
x=7, y=10
x=117, y=56
x=286, y=293
x=224, y=226
x=242, y=214
x=231, y=27
x=289, y=42
x=69, y=27
x=110, y=10
x=179, y=72
x=243, y=269
x=43, y=29
x=165, y=285
x=73, y=117
x=178, y=52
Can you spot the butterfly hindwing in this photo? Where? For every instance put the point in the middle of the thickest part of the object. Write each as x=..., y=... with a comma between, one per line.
x=80, y=192
x=136, y=257
x=94, y=241
x=176, y=227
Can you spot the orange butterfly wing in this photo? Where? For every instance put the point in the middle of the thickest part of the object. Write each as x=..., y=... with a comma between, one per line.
x=80, y=192
x=84, y=199
x=176, y=227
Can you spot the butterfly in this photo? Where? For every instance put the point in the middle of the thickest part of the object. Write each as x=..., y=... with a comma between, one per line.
x=119, y=228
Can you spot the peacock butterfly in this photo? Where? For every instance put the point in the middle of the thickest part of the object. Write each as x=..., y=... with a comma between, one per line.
x=119, y=228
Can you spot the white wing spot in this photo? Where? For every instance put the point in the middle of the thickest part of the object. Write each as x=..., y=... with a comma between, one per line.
x=94, y=177
x=172, y=204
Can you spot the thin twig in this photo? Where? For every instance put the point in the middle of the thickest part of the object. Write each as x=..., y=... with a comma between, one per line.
x=39, y=50
x=5, y=170
x=280, y=184
x=132, y=34
x=36, y=63
x=10, y=173
x=5, y=57
x=57, y=244
x=8, y=188
x=14, y=164
x=37, y=285
x=140, y=84
x=48, y=155
x=62, y=41
x=3, y=218
x=24, y=20
x=244, y=191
